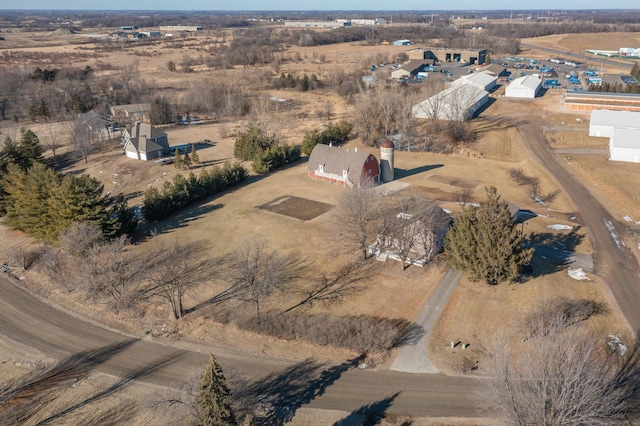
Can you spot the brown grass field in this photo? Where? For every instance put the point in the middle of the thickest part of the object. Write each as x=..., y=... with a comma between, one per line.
x=270, y=207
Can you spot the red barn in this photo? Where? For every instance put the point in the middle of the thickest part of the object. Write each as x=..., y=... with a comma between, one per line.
x=342, y=166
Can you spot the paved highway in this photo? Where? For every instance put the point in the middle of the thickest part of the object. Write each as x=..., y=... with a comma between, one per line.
x=35, y=324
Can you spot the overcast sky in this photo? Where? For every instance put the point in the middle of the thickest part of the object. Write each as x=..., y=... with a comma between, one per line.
x=313, y=5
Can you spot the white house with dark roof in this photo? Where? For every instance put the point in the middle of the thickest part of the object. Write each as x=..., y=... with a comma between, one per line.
x=145, y=142
x=342, y=166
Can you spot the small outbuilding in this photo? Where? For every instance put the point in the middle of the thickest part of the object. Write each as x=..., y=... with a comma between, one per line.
x=145, y=142
x=342, y=166
x=410, y=69
x=624, y=145
x=526, y=87
x=604, y=121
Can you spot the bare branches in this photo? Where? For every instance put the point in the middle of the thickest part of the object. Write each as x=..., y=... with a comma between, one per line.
x=175, y=269
x=358, y=209
x=258, y=272
x=563, y=376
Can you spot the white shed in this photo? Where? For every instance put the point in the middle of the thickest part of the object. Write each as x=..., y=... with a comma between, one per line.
x=524, y=87
x=604, y=121
x=624, y=145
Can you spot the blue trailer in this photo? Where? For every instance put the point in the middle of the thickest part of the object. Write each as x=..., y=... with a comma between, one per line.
x=551, y=83
x=590, y=73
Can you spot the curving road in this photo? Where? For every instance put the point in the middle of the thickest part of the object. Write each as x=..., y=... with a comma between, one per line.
x=35, y=324
x=614, y=263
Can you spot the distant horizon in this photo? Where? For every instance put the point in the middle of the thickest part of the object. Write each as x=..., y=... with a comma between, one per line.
x=308, y=6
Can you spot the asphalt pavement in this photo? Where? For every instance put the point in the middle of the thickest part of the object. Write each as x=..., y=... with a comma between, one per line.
x=413, y=356
x=29, y=321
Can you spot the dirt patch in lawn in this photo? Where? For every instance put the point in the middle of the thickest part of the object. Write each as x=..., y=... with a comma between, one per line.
x=299, y=208
x=455, y=181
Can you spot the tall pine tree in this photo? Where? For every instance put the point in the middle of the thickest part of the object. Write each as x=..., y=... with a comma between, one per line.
x=214, y=398
x=485, y=243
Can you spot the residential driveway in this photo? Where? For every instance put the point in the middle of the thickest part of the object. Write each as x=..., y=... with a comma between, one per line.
x=413, y=357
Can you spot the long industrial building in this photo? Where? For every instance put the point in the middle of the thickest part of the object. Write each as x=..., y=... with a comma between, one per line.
x=623, y=130
x=589, y=101
x=456, y=103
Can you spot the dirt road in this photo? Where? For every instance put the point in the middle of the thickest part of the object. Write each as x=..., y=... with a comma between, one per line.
x=614, y=263
x=28, y=321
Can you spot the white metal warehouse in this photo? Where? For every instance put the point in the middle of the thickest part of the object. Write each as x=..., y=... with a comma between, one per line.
x=624, y=145
x=604, y=121
x=481, y=80
x=456, y=103
x=524, y=87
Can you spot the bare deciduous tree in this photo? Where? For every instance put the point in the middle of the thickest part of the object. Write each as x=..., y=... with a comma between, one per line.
x=80, y=237
x=22, y=257
x=175, y=269
x=52, y=139
x=400, y=230
x=564, y=376
x=112, y=268
x=56, y=265
x=258, y=272
x=356, y=214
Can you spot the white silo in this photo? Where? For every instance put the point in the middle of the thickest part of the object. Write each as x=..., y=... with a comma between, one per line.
x=386, y=160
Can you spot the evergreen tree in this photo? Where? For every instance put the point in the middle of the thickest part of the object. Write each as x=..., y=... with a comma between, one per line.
x=252, y=142
x=186, y=159
x=28, y=192
x=214, y=397
x=30, y=147
x=485, y=243
x=195, y=159
x=177, y=160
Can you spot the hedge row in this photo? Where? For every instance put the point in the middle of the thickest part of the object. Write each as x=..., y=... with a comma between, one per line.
x=274, y=157
x=333, y=133
x=183, y=191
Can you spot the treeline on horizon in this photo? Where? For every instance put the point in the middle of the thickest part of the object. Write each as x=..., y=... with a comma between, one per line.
x=51, y=19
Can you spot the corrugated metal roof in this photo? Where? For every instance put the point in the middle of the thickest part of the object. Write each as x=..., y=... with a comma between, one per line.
x=528, y=81
x=625, y=119
x=625, y=138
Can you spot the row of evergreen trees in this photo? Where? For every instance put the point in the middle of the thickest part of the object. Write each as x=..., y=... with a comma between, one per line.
x=264, y=149
x=184, y=191
x=332, y=133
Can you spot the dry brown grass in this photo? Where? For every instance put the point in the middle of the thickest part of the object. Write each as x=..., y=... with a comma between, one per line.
x=475, y=311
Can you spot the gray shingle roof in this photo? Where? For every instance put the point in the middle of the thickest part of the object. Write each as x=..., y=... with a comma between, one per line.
x=334, y=160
